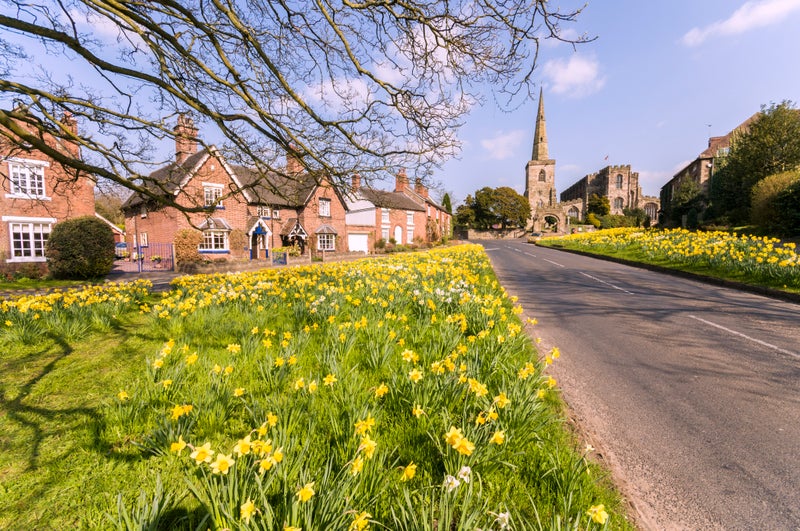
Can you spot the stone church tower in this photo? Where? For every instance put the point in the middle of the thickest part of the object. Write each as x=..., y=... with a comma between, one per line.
x=540, y=182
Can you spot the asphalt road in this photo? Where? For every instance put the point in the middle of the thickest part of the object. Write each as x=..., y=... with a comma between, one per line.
x=689, y=392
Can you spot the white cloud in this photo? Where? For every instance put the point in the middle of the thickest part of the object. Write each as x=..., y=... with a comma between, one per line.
x=753, y=14
x=576, y=77
x=652, y=181
x=503, y=145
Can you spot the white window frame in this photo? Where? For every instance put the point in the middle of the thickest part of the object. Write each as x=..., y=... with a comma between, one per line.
x=214, y=240
x=276, y=214
x=324, y=207
x=326, y=242
x=263, y=211
x=409, y=218
x=410, y=235
x=385, y=216
x=37, y=252
x=26, y=179
x=385, y=233
x=212, y=192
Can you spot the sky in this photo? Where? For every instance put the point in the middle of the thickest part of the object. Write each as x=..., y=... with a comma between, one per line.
x=660, y=78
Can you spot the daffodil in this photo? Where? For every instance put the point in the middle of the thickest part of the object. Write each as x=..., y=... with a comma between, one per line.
x=409, y=472
x=247, y=510
x=239, y=391
x=381, y=390
x=451, y=483
x=178, y=446
x=365, y=425
x=417, y=411
x=415, y=375
x=329, y=380
x=222, y=464
x=123, y=396
x=498, y=437
x=243, y=446
x=191, y=359
x=360, y=522
x=598, y=514
x=367, y=445
x=203, y=454
x=306, y=492
x=501, y=400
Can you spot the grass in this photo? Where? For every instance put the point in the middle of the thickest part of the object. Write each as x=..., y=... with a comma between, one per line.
x=751, y=260
x=78, y=454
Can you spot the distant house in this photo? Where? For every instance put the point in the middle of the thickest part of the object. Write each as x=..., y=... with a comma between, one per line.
x=37, y=193
x=402, y=216
x=701, y=169
x=248, y=214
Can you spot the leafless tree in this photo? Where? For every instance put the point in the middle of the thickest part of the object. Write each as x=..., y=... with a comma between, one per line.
x=343, y=86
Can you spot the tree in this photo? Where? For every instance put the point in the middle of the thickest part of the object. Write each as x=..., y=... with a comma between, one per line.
x=598, y=205
x=448, y=207
x=342, y=88
x=80, y=248
x=510, y=208
x=688, y=197
x=490, y=207
x=770, y=145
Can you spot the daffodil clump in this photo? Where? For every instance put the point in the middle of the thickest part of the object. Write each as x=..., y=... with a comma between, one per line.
x=397, y=393
x=68, y=313
x=763, y=258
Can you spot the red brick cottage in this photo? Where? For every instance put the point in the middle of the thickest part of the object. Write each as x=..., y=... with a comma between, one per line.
x=37, y=193
x=247, y=215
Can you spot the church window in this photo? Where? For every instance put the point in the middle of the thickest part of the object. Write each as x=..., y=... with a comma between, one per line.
x=542, y=176
x=618, y=203
x=619, y=181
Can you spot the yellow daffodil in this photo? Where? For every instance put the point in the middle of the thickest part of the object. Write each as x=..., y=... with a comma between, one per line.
x=178, y=446
x=329, y=380
x=415, y=375
x=501, y=400
x=409, y=472
x=598, y=514
x=498, y=437
x=312, y=386
x=368, y=446
x=417, y=411
x=203, y=454
x=360, y=522
x=243, y=446
x=365, y=425
x=191, y=359
x=306, y=492
x=279, y=361
x=357, y=465
x=300, y=383
x=272, y=419
x=234, y=348
x=123, y=396
x=381, y=390
x=247, y=509
x=239, y=391
x=222, y=464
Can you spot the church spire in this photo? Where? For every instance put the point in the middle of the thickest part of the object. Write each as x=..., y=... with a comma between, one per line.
x=540, y=137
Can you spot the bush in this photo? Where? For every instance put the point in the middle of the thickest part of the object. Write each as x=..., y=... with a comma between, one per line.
x=763, y=195
x=186, y=243
x=787, y=207
x=593, y=219
x=80, y=249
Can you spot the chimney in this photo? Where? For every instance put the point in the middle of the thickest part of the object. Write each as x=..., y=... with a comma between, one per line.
x=293, y=165
x=185, y=138
x=356, y=183
x=401, y=181
x=70, y=123
x=420, y=188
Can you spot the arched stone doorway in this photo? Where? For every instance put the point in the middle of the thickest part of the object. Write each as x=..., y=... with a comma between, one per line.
x=551, y=222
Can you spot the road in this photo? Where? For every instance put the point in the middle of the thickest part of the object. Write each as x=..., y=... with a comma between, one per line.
x=689, y=392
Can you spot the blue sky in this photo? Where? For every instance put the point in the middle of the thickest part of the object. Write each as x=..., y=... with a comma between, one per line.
x=643, y=93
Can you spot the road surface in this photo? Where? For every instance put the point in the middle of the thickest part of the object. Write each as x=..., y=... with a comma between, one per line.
x=689, y=392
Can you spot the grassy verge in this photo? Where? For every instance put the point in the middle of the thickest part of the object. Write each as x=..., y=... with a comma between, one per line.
x=399, y=393
x=754, y=261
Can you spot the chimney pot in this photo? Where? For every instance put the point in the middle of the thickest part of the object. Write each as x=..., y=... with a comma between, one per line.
x=185, y=138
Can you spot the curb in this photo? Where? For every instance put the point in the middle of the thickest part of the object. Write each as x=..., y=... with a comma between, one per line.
x=749, y=288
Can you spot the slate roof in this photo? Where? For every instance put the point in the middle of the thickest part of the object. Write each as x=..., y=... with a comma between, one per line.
x=395, y=200
x=167, y=179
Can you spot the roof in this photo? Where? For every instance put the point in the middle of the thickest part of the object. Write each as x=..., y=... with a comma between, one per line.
x=215, y=223
x=396, y=200
x=273, y=189
x=168, y=179
x=325, y=229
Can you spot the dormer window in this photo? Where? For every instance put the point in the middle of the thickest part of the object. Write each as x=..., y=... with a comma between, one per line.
x=263, y=211
x=325, y=208
x=212, y=194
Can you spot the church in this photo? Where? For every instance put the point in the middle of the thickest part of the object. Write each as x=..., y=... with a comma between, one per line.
x=618, y=183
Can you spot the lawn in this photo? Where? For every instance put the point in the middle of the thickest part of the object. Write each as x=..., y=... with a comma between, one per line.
x=397, y=393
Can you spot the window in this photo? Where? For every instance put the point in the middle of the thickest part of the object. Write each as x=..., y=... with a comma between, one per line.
x=212, y=194
x=410, y=219
x=325, y=208
x=618, y=203
x=262, y=211
x=410, y=235
x=27, y=178
x=28, y=240
x=385, y=233
x=619, y=181
x=276, y=214
x=143, y=239
x=384, y=215
x=542, y=176
x=214, y=240
x=326, y=242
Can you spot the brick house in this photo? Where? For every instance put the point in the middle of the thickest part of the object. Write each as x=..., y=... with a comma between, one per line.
x=247, y=215
x=404, y=215
x=38, y=193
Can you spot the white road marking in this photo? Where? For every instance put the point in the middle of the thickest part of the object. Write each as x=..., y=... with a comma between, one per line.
x=530, y=254
x=754, y=340
x=490, y=248
x=554, y=263
x=606, y=283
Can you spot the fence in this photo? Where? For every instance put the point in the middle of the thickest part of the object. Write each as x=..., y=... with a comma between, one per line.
x=149, y=258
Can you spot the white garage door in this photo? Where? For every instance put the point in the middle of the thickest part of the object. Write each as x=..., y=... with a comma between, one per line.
x=358, y=243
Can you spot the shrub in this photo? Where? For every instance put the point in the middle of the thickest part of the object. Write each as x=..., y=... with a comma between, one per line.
x=763, y=195
x=80, y=248
x=593, y=219
x=186, y=243
x=787, y=207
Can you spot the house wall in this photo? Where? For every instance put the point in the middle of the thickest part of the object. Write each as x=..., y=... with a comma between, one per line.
x=311, y=220
x=65, y=195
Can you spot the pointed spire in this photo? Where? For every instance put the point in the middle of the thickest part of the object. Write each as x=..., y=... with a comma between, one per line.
x=540, y=136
